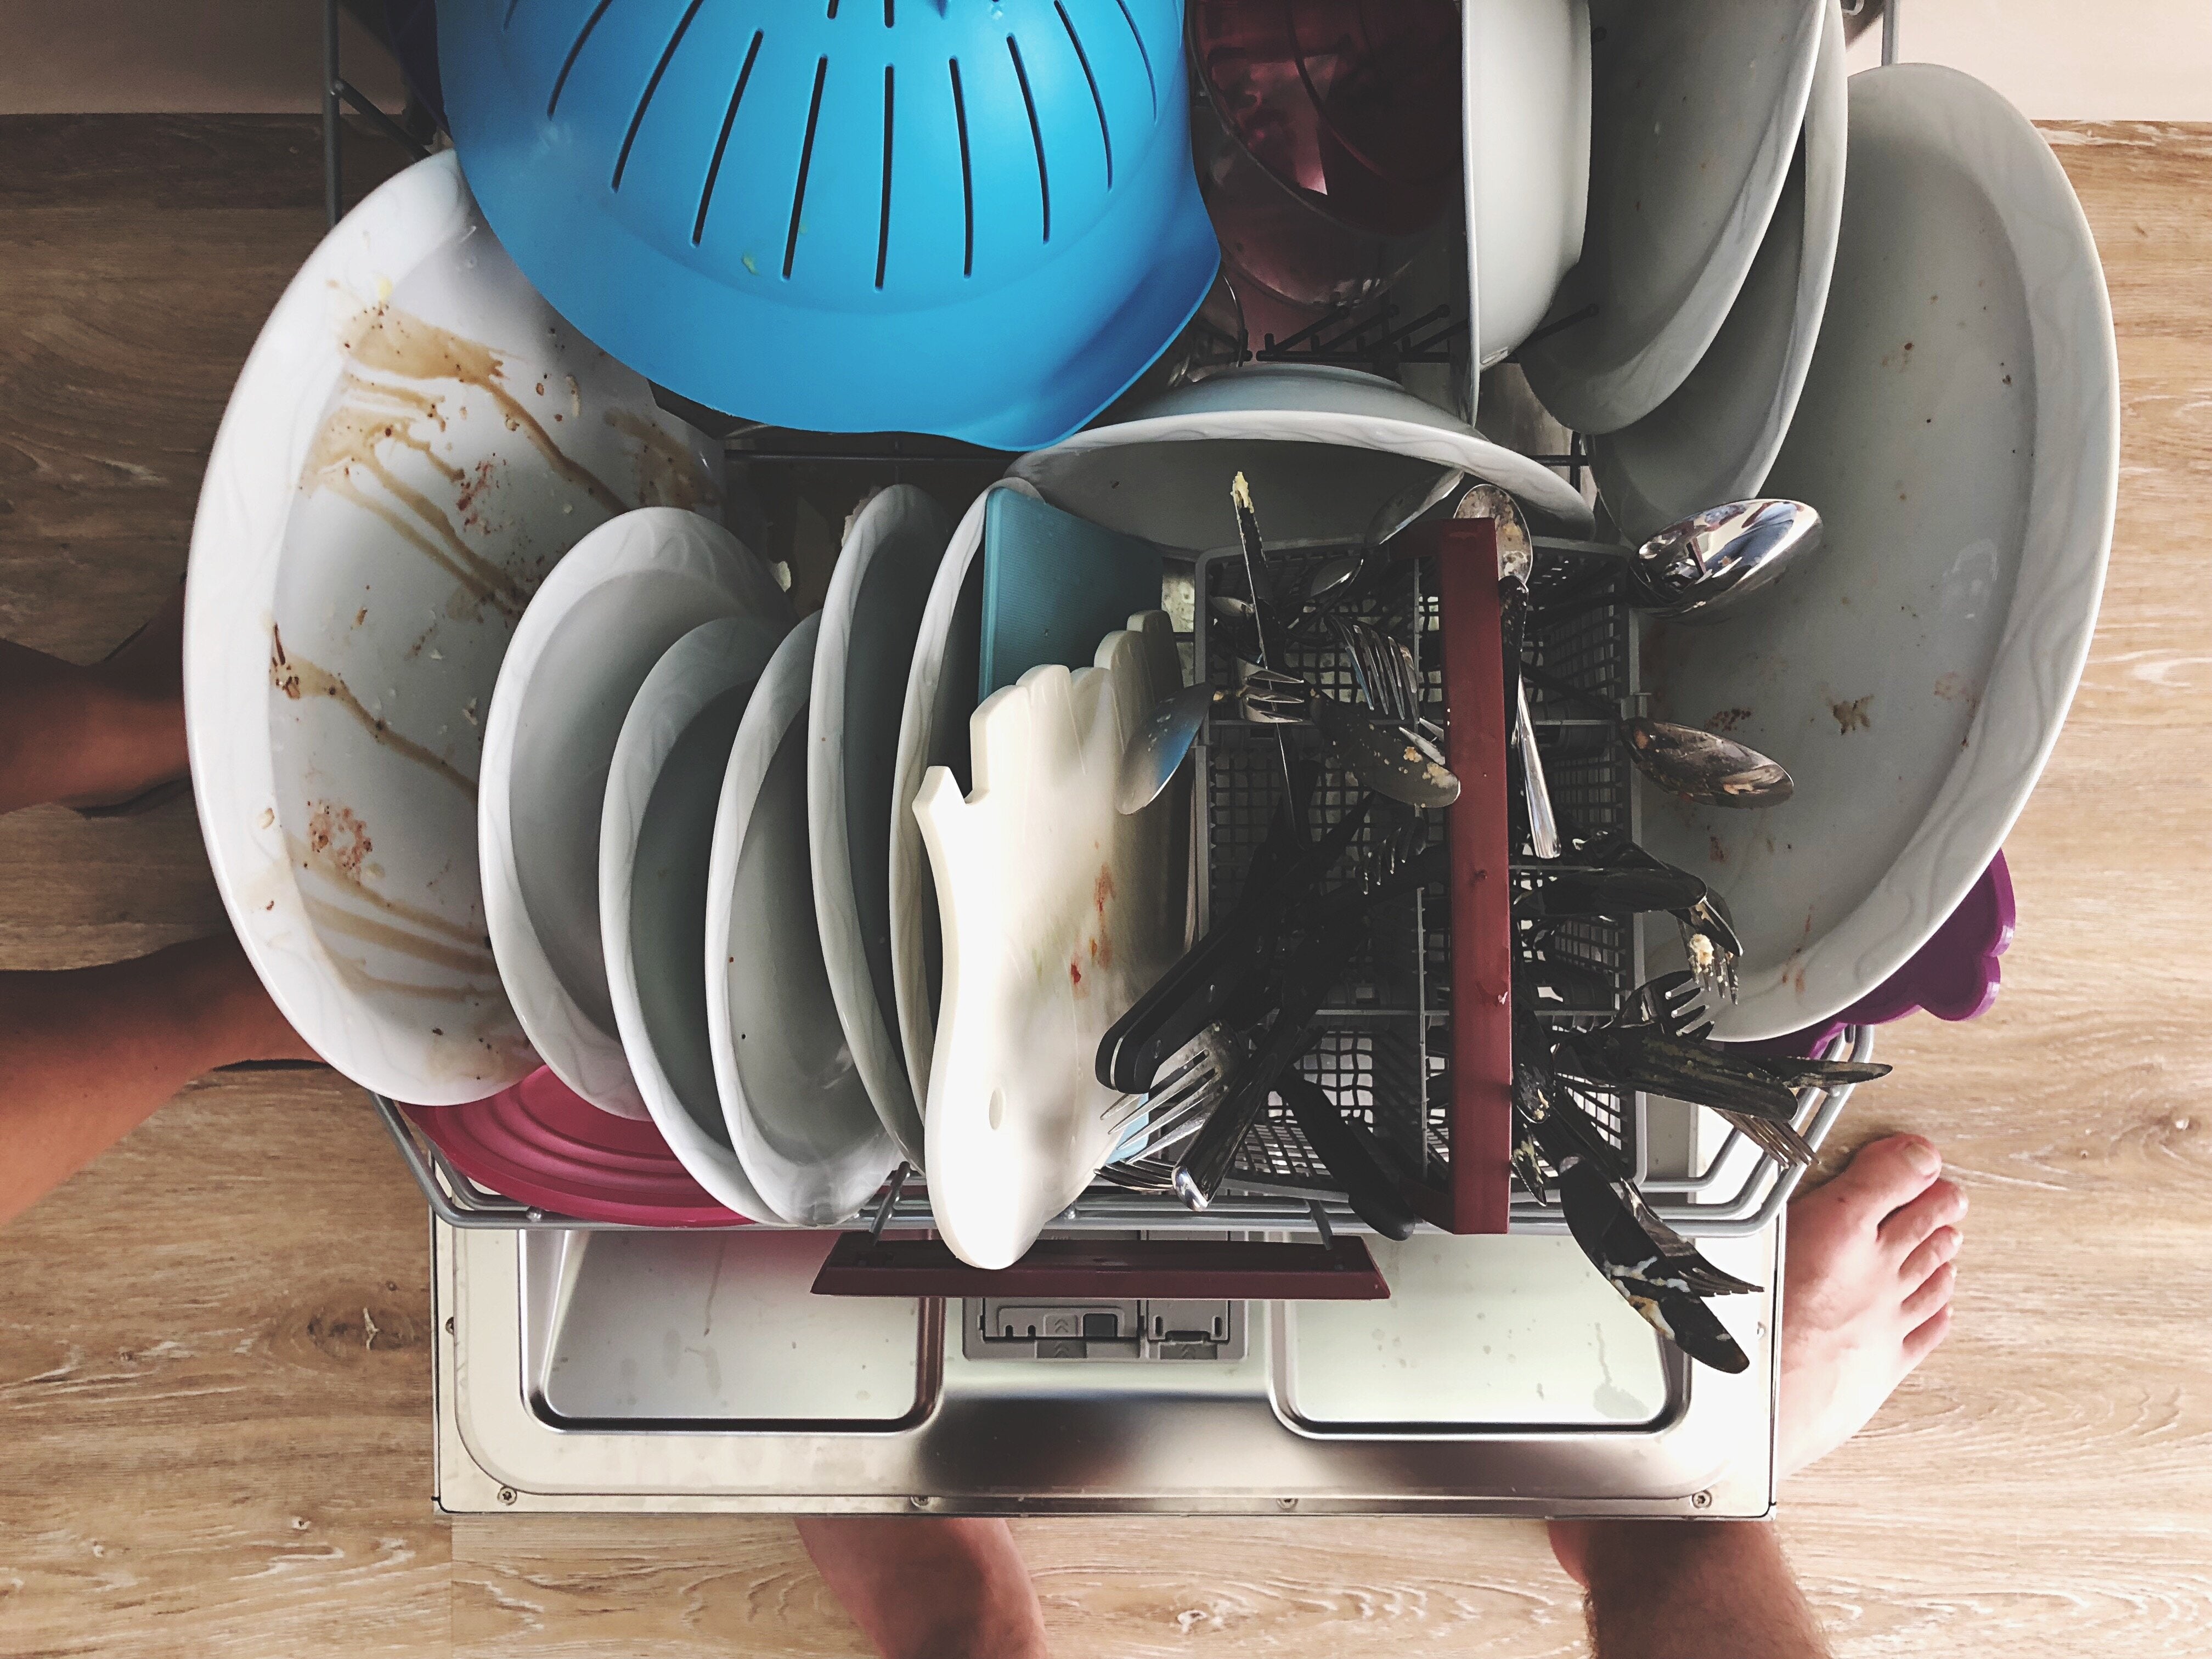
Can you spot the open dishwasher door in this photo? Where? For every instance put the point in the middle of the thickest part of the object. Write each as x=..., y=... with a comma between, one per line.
x=643, y=1372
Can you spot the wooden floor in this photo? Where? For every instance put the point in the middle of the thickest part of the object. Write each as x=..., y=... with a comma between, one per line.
x=215, y=1435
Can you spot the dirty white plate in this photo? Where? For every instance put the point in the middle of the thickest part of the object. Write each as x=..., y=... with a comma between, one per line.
x=1716, y=438
x=414, y=441
x=878, y=591
x=624, y=594
x=1959, y=434
x=1695, y=109
x=941, y=684
x=1059, y=912
x=656, y=833
x=1322, y=447
x=1526, y=71
x=798, y=1113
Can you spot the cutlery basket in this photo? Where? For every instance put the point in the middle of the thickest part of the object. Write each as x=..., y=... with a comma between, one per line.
x=1384, y=1048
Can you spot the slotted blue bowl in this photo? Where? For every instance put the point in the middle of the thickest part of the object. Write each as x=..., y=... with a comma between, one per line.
x=953, y=216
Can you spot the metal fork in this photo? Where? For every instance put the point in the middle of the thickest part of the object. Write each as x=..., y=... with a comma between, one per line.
x=1674, y=1003
x=1147, y=1126
x=1383, y=669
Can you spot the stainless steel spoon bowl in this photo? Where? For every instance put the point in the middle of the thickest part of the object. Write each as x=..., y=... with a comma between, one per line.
x=1699, y=766
x=1703, y=767
x=1701, y=568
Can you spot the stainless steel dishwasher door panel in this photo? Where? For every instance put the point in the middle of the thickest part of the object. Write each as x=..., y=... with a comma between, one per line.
x=1479, y=1334
x=536, y=1411
x=712, y=1330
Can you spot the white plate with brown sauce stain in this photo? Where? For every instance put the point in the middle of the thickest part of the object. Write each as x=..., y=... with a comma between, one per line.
x=414, y=441
x=1959, y=434
x=581, y=656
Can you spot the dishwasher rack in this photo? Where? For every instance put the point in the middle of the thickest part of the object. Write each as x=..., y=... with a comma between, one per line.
x=1380, y=1036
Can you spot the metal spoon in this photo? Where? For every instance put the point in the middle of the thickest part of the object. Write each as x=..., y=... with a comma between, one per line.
x=1156, y=750
x=1699, y=569
x=1699, y=766
x=1391, y=760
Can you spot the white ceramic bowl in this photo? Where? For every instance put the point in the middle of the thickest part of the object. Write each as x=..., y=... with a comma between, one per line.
x=1695, y=109
x=1716, y=438
x=628, y=591
x=414, y=440
x=799, y=1115
x=878, y=591
x=1322, y=449
x=1959, y=434
x=656, y=834
x=1526, y=78
x=941, y=685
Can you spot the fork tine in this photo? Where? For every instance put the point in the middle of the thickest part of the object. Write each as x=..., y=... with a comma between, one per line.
x=1172, y=1124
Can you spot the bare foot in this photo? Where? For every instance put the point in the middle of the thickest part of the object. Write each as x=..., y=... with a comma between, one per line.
x=948, y=1587
x=1867, y=1292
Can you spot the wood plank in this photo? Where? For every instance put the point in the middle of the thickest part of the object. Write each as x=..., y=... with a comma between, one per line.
x=208, y=1453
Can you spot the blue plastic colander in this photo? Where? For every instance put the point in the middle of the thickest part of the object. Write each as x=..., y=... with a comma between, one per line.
x=954, y=216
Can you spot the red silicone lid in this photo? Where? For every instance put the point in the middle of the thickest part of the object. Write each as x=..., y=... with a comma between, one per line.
x=541, y=1143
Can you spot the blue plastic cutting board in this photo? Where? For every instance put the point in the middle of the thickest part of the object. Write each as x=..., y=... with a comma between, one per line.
x=1054, y=585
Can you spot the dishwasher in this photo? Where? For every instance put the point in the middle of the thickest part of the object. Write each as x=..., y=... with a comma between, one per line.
x=599, y=1369
x=604, y=1369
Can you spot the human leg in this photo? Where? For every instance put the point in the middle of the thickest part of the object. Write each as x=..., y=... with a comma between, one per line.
x=1688, y=1589
x=89, y=1053
x=930, y=1587
x=91, y=734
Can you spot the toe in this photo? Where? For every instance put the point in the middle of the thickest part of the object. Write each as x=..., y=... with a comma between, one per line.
x=1931, y=1253
x=1928, y=1336
x=1883, y=1175
x=1933, y=1295
x=1942, y=1204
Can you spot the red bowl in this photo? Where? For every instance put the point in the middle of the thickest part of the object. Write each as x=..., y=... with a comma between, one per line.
x=540, y=1143
x=1354, y=104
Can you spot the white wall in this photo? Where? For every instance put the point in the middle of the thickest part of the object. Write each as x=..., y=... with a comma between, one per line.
x=2066, y=60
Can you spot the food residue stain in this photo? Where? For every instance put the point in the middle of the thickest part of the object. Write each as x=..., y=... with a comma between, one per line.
x=350, y=447
x=1852, y=716
x=398, y=343
x=668, y=473
x=1957, y=687
x=337, y=836
x=1102, y=891
x=297, y=678
x=1728, y=719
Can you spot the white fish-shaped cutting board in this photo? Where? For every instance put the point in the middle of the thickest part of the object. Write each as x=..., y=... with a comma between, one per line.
x=1058, y=912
